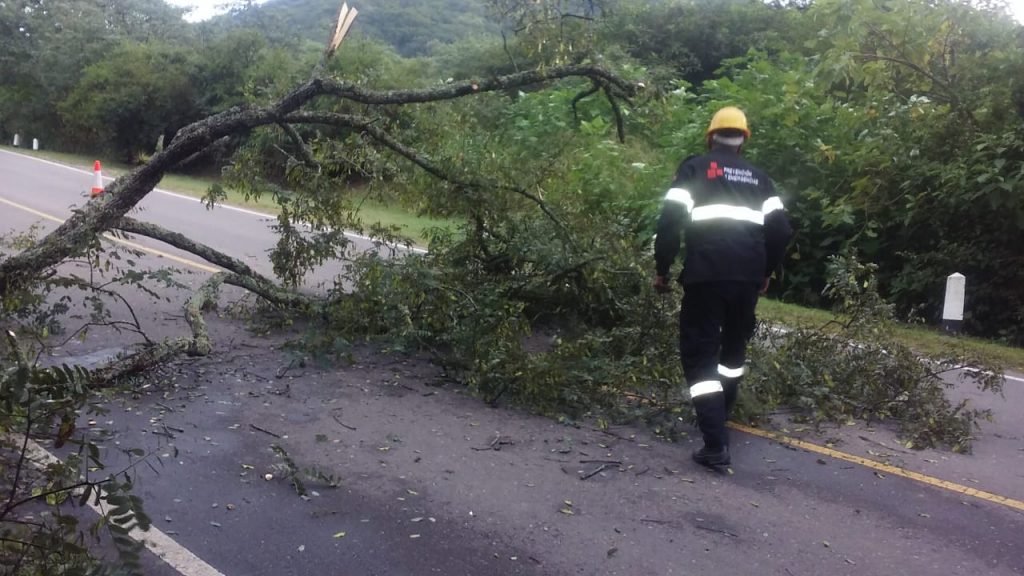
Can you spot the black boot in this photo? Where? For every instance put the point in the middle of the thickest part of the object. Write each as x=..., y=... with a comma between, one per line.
x=711, y=415
x=712, y=458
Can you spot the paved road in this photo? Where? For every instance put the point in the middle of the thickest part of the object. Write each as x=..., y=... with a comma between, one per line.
x=411, y=462
x=56, y=189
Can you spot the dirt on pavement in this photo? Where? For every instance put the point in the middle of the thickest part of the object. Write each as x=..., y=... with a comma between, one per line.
x=430, y=480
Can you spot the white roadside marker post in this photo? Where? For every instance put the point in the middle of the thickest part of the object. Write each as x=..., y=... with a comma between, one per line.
x=17, y=140
x=35, y=143
x=953, y=309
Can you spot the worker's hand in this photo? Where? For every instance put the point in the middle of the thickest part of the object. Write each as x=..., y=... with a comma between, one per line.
x=661, y=285
x=764, y=287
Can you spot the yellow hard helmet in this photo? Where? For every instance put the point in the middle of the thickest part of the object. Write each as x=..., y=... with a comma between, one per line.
x=729, y=117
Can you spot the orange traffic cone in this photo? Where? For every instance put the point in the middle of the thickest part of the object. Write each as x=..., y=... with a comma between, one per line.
x=97, y=185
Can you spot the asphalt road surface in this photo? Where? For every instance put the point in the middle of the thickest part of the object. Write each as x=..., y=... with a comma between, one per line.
x=434, y=482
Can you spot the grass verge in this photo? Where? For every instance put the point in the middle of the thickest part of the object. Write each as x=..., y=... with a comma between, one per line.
x=920, y=338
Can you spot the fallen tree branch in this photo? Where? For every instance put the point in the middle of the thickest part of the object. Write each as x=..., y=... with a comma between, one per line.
x=620, y=124
x=304, y=151
x=594, y=87
x=204, y=299
x=182, y=242
x=144, y=358
x=220, y=146
x=370, y=128
x=242, y=275
x=104, y=211
x=355, y=93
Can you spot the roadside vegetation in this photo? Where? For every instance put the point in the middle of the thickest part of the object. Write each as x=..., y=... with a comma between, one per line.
x=929, y=341
x=541, y=143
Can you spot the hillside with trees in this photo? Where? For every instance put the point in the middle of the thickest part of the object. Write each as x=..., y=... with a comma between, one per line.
x=411, y=27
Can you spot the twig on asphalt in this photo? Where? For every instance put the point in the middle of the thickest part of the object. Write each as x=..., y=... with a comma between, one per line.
x=655, y=521
x=257, y=376
x=613, y=434
x=599, y=469
x=165, y=407
x=337, y=419
x=491, y=446
x=716, y=530
x=882, y=444
x=284, y=369
x=611, y=462
x=264, y=430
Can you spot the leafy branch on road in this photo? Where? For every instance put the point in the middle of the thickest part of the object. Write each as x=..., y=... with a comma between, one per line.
x=21, y=271
x=44, y=404
x=856, y=368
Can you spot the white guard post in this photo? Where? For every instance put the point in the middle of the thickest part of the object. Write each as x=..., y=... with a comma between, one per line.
x=953, y=310
x=35, y=143
x=17, y=140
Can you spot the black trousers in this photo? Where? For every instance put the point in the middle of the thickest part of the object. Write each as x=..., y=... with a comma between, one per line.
x=716, y=322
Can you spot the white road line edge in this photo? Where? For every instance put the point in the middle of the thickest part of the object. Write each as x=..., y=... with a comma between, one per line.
x=189, y=198
x=158, y=542
x=976, y=371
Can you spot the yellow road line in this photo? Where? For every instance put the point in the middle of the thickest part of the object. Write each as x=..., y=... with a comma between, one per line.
x=123, y=242
x=888, y=469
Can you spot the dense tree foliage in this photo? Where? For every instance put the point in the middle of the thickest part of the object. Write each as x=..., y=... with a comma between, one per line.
x=893, y=127
x=45, y=46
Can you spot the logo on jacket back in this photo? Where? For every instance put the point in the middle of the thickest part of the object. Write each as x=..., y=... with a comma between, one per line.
x=731, y=174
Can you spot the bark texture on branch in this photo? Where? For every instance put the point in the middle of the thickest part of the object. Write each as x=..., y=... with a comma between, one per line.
x=350, y=91
x=204, y=299
x=241, y=274
x=142, y=359
x=182, y=242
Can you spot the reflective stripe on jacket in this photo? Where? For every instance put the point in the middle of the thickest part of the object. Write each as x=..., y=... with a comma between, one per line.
x=735, y=224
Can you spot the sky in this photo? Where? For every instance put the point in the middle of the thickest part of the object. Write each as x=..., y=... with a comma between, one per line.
x=203, y=9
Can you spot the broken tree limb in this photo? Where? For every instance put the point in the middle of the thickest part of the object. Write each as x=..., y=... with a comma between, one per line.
x=620, y=125
x=304, y=151
x=273, y=294
x=219, y=146
x=182, y=242
x=345, y=18
x=204, y=299
x=101, y=213
x=594, y=87
x=144, y=358
x=355, y=93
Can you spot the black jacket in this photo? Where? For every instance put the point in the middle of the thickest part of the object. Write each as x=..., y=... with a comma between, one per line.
x=736, y=227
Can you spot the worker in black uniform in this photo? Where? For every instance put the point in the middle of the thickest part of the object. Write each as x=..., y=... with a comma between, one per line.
x=736, y=235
